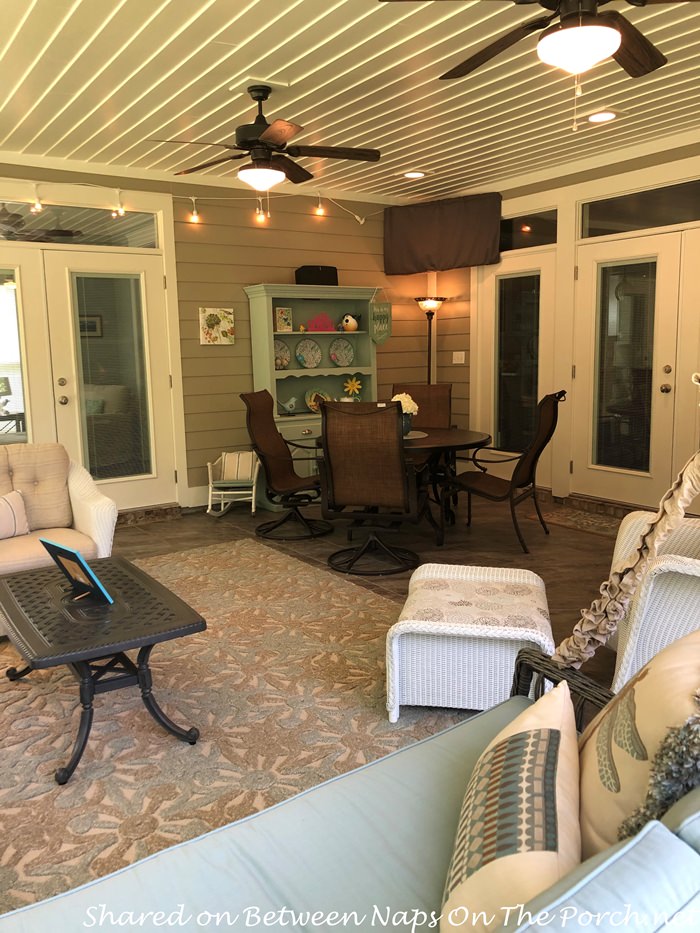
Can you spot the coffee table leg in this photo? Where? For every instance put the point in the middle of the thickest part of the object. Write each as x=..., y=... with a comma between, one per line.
x=87, y=693
x=145, y=683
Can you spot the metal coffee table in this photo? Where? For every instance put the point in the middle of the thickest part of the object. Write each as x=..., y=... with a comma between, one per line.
x=50, y=628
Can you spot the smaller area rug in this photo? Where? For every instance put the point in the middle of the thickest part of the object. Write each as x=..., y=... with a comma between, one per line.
x=605, y=525
x=286, y=686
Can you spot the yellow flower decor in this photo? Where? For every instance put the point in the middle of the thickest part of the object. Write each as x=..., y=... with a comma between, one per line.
x=352, y=386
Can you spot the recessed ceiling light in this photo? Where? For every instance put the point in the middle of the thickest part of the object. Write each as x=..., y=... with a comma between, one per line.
x=414, y=174
x=602, y=116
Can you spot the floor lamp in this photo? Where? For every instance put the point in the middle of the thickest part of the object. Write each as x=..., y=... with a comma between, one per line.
x=430, y=306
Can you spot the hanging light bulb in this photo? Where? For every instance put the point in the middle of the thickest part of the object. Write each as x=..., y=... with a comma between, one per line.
x=320, y=210
x=119, y=209
x=37, y=206
x=260, y=212
x=194, y=216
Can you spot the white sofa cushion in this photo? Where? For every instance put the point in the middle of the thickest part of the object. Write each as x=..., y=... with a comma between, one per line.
x=40, y=472
x=27, y=552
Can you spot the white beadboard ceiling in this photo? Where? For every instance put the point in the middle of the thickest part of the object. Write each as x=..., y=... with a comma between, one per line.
x=88, y=82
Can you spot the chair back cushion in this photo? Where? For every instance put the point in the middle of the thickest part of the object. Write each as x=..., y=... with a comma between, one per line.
x=363, y=456
x=268, y=443
x=40, y=473
x=548, y=413
x=434, y=403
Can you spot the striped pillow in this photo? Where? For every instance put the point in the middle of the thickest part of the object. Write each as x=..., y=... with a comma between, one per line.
x=13, y=517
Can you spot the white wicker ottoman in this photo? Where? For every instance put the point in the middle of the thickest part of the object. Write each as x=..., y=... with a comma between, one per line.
x=458, y=634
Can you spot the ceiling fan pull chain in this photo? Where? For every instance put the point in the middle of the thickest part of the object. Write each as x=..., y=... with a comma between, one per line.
x=578, y=91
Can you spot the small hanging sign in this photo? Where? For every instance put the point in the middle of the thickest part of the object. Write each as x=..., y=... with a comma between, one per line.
x=379, y=321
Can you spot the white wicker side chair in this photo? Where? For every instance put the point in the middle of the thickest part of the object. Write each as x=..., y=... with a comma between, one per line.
x=233, y=477
x=666, y=605
x=458, y=635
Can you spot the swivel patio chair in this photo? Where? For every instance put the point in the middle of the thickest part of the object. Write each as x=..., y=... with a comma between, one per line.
x=284, y=485
x=366, y=479
x=521, y=484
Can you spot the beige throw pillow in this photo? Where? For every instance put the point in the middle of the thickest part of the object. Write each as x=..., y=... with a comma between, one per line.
x=617, y=748
x=518, y=830
x=13, y=516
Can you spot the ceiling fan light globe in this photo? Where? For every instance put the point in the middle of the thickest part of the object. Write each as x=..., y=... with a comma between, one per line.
x=260, y=178
x=576, y=45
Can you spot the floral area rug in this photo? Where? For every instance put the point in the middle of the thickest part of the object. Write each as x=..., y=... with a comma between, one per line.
x=286, y=686
x=605, y=525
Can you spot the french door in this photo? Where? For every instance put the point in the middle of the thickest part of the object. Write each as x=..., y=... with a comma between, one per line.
x=95, y=362
x=512, y=360
x=636, y=345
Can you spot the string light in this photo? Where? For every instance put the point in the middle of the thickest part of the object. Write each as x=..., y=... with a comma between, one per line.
x=320, y=210
x=119, y=209
x=194, y=216
x=260, y=212
x=37, y=206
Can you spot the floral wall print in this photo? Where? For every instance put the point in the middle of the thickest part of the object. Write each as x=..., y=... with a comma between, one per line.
x=216, y=326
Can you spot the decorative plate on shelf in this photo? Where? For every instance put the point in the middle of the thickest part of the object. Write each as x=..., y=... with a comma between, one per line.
x=313, y=399
x=341, y=352
x=282, y=354
x=308, y=353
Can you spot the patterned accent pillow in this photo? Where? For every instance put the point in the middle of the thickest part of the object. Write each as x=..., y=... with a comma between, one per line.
x=13, y=517
x=518, y=830
x=617, y=749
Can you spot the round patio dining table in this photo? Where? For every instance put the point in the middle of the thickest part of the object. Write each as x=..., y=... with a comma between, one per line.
x=441, y=445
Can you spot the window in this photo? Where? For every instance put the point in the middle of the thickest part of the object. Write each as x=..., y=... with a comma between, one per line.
x=77, y=226
x=517, y=352
x=528, y=230
x=659, y=207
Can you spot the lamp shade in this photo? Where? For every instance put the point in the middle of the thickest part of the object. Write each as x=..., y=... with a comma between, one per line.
x=429, y=304
x=262, y=177
x=578, y=43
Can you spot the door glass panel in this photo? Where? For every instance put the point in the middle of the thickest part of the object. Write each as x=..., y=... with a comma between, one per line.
x=112, y=371
x=517, y=351
x=625, y=342
x=13, y=428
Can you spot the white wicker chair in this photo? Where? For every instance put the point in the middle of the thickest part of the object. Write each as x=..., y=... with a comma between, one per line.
x=458, y=635
x=666, y=605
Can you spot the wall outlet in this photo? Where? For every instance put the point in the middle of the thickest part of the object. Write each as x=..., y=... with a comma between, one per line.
x=458, y=356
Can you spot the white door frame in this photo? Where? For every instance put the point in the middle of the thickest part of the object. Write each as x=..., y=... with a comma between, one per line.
x=482, y=352
x=161, y=205
x=624, y=485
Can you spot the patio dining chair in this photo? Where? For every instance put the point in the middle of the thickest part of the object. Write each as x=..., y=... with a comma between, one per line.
x=367, y=480
x=521, y=484
x=283, y=484
x=434, y=403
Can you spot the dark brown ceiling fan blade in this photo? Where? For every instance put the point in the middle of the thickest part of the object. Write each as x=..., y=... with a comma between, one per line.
x=280, y=132
x=191, y=142
x=336, y=152
x=198, y=168
x=295, y=173
x=495, y=48
x=637, y=55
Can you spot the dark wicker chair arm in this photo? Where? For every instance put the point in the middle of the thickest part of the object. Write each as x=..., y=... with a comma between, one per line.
x=533, y=666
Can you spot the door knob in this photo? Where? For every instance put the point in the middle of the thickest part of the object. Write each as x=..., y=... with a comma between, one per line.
x=665, y=388
x=668, y=369
x=62, y=381
x=63, y=400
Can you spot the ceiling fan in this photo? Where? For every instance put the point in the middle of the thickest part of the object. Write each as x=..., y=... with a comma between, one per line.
x=267, y=145
x=579, y=22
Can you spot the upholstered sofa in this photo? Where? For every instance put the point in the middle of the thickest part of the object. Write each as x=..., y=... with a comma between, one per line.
x=372, y=850
x=60, y=501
